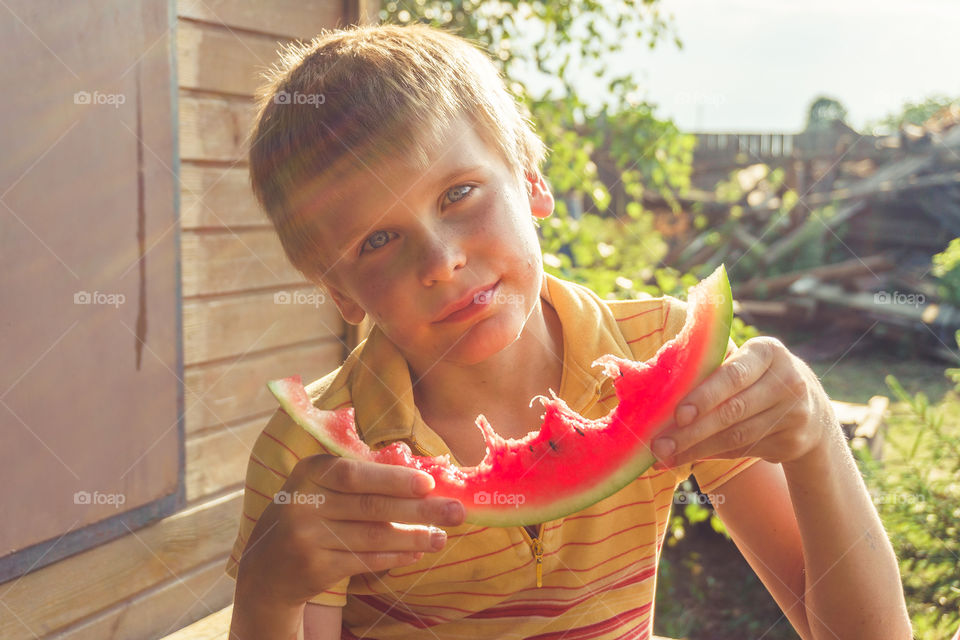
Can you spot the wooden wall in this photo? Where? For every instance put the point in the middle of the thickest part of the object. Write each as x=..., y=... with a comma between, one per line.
x=166, y=575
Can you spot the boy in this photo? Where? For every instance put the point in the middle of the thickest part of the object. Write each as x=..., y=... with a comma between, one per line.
x=400, y=176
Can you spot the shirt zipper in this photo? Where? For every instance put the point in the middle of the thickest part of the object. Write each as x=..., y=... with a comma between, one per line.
x=536, y=545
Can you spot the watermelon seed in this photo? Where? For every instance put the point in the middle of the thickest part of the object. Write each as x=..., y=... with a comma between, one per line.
x=552, y=446
x=577, y=429
x=530, y=446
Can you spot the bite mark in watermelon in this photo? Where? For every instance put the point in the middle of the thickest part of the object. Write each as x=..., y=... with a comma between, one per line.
x=571, y=462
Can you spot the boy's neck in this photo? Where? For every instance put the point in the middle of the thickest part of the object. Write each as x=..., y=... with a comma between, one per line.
x=501, y=385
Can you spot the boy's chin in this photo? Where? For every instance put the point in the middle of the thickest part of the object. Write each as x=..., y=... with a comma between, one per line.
x=485, y=339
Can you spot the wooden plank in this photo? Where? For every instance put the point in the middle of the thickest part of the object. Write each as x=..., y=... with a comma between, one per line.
x=215, y=59
x=226, y=327
x=218, y=197
x=76, y=587
x=214, y=128
x=230, y=261
x=230, y=391
x=802, y=234
x=828, y=272
x=292, y=18
x=216, y=626
x=178, y=602
x=218, y=461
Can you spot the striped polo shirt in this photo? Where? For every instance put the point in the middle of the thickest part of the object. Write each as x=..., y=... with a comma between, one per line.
x=599, y=565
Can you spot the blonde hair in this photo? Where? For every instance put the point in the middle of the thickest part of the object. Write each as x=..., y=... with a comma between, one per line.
x=350, y=98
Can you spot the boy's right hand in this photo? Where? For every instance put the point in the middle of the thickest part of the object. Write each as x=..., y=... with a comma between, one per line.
x=340, y=518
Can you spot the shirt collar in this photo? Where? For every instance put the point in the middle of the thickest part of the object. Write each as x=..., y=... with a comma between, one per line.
x=382, y=391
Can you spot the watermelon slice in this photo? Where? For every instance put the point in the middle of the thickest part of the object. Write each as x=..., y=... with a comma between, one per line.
x=571, y=462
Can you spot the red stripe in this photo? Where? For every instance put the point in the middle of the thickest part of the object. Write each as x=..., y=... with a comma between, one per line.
x=511, y=546
x=513, y=609
x=665, y=316
x=638, y=314
x=468, y=533
x=646, y=335
x=234, y=558
x=247, y=486
x=342, y=405
x=268, y=468
x=451, y=564
x=590, y=544
x=292, y=452
x=394, y=611
x=528, y=563
x=253, y=520
x=603, y=577
x=597, y=628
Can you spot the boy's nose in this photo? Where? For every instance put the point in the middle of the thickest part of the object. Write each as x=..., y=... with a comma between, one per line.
x=440, y=258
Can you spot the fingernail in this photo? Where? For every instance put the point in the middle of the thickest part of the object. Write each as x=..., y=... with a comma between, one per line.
x=438, y=538
x=663, y=447
x=417, y=555
x=423, y=483
x=685, y=414
x=454, y=512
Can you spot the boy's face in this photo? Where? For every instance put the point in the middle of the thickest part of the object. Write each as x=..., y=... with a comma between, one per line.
x=410, y=246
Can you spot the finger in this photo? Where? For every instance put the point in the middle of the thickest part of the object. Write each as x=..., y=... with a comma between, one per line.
x=735, y=374
x=372, y=507
x=363, y=476
x=381, y=536
x=351, y=564
x=744, y=438
x=741, y=406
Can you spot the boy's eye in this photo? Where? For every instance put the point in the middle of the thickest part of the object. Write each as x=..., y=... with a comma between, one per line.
x=376, y=240
x=459, y=192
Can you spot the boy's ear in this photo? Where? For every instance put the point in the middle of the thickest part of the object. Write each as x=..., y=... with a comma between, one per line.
x=541, y=199
x=350, y=310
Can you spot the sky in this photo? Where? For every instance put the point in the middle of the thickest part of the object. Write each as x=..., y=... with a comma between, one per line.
x=756, y=65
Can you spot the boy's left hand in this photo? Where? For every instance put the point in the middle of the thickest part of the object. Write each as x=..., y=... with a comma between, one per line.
x=763, y=401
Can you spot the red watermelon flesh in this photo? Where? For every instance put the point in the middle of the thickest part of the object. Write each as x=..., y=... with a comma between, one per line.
x=571, y=462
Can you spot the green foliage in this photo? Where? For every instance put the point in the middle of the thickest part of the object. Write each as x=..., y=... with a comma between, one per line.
x=946, y=267
x=917, y=493
x=556, y=41
x=915, y=113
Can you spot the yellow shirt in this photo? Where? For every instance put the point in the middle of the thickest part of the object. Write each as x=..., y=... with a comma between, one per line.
x=599, y=565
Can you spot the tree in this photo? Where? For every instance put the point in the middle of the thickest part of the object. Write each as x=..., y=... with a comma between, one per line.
x=824, y=111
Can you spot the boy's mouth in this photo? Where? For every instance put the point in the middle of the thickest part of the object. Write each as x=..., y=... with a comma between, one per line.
x=470, y=304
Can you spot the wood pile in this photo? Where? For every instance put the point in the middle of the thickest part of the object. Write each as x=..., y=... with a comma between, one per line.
x=856, y=256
